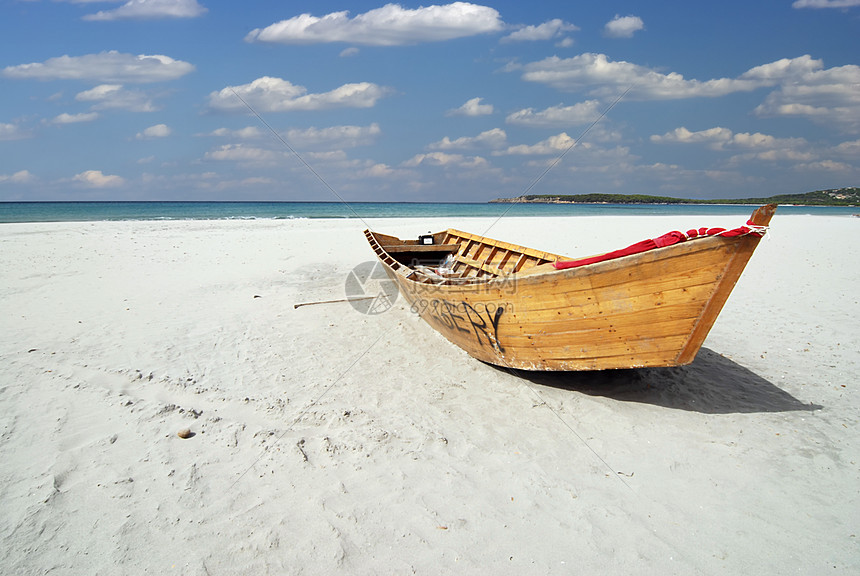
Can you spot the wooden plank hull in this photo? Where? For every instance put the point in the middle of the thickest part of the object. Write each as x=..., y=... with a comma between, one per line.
x=644, y=310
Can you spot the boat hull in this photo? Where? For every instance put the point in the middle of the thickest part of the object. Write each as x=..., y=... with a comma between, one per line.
x=644, y=310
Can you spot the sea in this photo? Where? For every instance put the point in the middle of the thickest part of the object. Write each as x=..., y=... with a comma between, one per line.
x=12, y=212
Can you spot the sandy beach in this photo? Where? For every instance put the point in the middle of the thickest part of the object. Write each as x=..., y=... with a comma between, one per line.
x=329, y=441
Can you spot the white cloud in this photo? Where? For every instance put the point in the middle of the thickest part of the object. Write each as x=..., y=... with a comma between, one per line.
x=772, y=107
x=246, y=133
x=65, y=118
x=99, y=92
x=20, y=177
x=349, y=52
x=753, y=147
x=342, y=136
x=825, y=3
x=552, y=145
x=115, y=97
x=445, y=160
x=759, y=140
x=821, y=95
x=824, y=166
x=472, y=107
x=546, y=31
x=376, y=171
x=241, y=153
x=600, y=76
x=151, y=9
x=849, y=148
x=804, y=88
x=156, y=131
x=257, y=181
x=96, y=179
x=783, y=70
x=12, y=132
x=109, y=67
x=623, y=26
x=391, y=25
x=494, y=139
x=219, y=183
x=554, y=116
x=269, y=94
x=776, y=155
x=718, y=136
x=328, y=156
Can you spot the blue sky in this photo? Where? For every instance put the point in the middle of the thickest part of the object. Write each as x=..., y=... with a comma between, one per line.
x=143, y=100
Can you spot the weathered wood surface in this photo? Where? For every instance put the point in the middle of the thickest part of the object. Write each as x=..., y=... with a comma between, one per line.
x=508, y=306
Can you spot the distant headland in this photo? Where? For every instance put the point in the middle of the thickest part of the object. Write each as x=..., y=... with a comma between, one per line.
x=834, y=197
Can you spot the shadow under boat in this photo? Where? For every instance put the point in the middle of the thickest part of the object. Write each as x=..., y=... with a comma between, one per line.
x=711, y=384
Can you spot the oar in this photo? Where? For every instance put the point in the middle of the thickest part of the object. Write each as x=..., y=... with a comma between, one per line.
x=333, y=301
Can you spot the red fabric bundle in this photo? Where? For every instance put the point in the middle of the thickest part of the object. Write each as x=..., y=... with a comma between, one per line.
x=667, y=239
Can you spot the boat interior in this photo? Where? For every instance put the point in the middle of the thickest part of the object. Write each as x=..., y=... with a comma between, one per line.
x=455, y=257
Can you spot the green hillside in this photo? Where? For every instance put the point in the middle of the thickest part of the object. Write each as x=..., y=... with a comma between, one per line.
x=835, y=197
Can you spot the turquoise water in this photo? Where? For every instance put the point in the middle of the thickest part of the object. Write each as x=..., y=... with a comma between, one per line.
x=101, y=211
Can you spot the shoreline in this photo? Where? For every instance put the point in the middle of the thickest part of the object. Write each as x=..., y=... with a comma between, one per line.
x=206, y=211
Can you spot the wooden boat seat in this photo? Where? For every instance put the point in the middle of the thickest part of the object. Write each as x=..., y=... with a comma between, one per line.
x=432, y=276
x=398, y=248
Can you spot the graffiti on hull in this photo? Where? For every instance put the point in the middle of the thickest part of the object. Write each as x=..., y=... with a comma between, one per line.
x=481, y=319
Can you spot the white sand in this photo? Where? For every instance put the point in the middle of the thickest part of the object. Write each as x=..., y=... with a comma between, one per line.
x=328, y=441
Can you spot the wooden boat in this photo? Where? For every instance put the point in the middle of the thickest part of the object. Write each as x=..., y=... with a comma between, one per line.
x=651, y=304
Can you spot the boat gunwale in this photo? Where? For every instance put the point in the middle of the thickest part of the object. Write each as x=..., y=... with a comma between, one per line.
x=500, y=281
